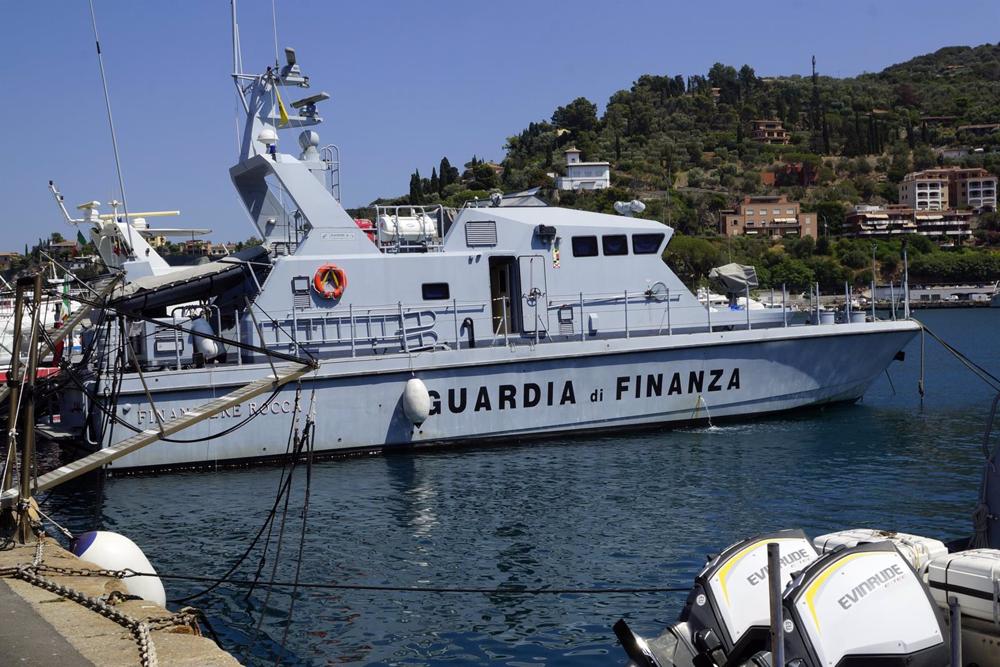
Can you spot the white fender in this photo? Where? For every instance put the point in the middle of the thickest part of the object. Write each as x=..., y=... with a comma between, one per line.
x=207, y=346
x=112, y=551
x=416, y=401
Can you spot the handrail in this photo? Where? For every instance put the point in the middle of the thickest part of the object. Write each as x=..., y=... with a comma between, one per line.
x=410, y=328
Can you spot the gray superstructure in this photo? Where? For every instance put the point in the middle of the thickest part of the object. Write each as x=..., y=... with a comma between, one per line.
x=517, y=320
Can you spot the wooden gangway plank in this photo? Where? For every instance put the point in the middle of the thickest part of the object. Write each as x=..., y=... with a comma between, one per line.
x=283, y=375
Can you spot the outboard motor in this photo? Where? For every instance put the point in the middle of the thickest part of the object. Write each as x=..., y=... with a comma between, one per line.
x=727, y=615
x=728, y=609
x=670, y=649
x=862, y=606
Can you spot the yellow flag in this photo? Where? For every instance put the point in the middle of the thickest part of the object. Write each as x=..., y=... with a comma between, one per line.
x=282, y=113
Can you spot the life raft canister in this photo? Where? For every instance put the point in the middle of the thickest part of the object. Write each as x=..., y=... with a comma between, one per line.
x=330, y=281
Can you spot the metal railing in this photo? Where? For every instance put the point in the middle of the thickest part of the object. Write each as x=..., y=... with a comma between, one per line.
x=401, y=328
x=330, y=155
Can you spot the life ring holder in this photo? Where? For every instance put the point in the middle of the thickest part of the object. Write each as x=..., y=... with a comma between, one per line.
x=330, y=281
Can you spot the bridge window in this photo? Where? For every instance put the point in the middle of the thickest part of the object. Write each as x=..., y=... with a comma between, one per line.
x=435, y=291
x=616, y=244
x=646, y=244
x=585, y=246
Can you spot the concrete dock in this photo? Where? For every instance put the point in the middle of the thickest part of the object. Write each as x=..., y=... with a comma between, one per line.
x=41, y=627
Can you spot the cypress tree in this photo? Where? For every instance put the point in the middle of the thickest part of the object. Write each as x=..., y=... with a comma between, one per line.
x=444, y=179
x=435, y=183
x=415, y=187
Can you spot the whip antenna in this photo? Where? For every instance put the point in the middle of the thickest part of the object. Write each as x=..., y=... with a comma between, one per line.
x=114, y=137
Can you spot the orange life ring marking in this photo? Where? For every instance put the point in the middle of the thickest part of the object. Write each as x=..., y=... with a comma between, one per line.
x=330, y=281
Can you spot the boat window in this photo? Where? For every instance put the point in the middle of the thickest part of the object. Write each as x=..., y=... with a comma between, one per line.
x=435, y=291
x=646, y=244
x=616, y=244
x=585, y=246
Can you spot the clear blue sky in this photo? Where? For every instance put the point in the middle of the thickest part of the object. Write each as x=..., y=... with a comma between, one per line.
x=410, y=81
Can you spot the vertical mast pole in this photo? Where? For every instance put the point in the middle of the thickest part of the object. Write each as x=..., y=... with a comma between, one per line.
x=28, y=440
x=14, y=382
x=236, y=39
x=906, y=284
x=114, y=137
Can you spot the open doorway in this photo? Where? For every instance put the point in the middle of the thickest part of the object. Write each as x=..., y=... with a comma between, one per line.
x=504, y=295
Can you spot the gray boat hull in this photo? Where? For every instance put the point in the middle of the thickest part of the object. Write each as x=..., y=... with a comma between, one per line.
x=500, y=393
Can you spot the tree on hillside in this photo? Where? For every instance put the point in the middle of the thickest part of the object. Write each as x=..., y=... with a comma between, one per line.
x=726, y=79
x=691, y=258
x=483, y=177
x=748, y=81
x=416, y=196
x=578, y=115
x=447, y=174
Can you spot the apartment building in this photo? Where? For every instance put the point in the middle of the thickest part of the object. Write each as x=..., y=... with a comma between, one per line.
x=944, y=227
x=925, y=190
x=770, y=216
x=973, y=188
x=949, y=187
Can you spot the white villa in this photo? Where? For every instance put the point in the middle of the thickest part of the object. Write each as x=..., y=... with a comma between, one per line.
x=584, y=175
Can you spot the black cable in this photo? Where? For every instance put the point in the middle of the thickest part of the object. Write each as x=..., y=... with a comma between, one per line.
x=976, y=369
x=419, y=589
x=239, y=561
x=116, y=382
x=309, y=437
x=281, y=484
x=274, y=569
x=311, y=361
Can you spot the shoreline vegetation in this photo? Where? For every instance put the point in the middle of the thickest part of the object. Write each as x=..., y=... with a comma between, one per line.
x=683, y=146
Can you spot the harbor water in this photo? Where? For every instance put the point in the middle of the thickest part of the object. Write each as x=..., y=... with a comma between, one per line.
x=632, y=510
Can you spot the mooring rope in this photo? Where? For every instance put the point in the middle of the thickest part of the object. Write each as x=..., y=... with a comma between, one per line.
x=992, y=380
x=333, y=585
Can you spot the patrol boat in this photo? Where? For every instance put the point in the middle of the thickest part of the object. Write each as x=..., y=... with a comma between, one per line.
x=494, y=322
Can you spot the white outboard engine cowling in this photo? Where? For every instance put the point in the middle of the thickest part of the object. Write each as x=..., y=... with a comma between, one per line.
x=727, y=615
x=862, y=606
x=728, y=608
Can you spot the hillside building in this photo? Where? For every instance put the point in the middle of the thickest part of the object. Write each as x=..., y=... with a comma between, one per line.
x=7, y=260
x=949, y=187
x=925, y=190
x=771, y=216
x=789, y=174
x=944, y=227
x=584, y=175
x=973, y=188
x=769, y=132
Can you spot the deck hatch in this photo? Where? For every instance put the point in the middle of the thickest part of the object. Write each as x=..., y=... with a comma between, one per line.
x=480, y=233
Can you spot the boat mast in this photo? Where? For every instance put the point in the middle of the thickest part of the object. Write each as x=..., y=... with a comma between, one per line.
x=111, y=124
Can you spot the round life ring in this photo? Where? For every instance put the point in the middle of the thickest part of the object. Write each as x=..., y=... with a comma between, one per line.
x=330, y=281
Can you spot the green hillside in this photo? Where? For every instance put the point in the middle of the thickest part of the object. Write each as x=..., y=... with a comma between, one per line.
x=682, y=145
